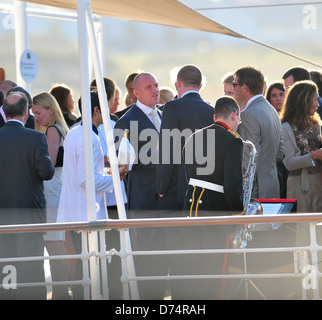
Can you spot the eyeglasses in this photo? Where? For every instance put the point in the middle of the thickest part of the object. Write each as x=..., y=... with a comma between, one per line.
x=235, y=84
x=240, y=121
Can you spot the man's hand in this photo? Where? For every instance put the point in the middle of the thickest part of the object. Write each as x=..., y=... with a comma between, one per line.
x=124, y=170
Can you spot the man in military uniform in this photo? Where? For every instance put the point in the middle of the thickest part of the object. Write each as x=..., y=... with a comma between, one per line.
x=215, y=188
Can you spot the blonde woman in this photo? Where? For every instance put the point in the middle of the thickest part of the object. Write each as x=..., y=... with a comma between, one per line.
x=49, y=119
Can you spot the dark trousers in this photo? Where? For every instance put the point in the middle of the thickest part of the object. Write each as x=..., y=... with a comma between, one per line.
x=192, y=238
x=147, y=239
x=22, y=245
x=196, y=238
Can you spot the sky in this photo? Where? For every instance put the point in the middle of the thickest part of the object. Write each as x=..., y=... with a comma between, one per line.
x=291, y=28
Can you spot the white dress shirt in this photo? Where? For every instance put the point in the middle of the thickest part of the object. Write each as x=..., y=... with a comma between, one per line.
x=72, y=204
x=147, y=110
x=110, y=196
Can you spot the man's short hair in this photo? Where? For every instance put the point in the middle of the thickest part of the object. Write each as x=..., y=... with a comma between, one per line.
x=95, y=102
x=190, y=75
x=130, y=77
x=24, y=91
x=228, y=78
x=252, y=77
x=225, y=106
x=298, y=73
x=109, y=84
x=17, y=108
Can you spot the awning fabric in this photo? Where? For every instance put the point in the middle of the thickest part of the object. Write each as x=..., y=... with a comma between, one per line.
x=165, y=12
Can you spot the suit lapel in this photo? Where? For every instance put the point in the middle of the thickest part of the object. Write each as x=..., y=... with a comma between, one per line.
x=143, y=121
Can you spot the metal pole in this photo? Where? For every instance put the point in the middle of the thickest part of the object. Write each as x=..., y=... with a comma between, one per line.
x=99, y=30
x=21, y=39
x=124, y=235
x=88, y=147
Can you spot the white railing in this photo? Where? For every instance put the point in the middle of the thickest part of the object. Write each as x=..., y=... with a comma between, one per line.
x=305, y=267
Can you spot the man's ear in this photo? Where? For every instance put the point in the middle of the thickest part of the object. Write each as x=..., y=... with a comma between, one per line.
x=96, y=109
x=233, y=115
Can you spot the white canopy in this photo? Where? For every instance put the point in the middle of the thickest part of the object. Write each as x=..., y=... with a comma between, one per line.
x=165, y=12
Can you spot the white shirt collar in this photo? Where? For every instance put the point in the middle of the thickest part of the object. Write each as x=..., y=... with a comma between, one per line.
x=16, y=120
x=250, y=101
x=190, y=91
x=147, y=110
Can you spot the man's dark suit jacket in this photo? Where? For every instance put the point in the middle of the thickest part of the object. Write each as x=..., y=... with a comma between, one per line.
x=141, y=178
x=24, y=164
x=121, y=113
x=141, y=201
x=189, y=112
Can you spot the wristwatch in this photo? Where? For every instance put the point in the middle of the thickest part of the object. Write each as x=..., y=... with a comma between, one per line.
x=313, y=162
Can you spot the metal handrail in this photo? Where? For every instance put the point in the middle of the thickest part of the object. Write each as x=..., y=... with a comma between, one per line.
x=122, y=225
x=161, y=222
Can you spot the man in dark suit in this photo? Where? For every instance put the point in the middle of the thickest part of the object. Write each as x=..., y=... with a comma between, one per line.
x=143, y=122
x=24, y=163
x=215, y=188
x=181, y=117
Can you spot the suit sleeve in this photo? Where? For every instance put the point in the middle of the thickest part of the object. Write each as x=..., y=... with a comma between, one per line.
x=233, y=177
x=102, y=183
x=43, y=163
x=293, y=159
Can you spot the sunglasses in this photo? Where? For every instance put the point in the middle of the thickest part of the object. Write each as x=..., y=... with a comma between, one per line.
x=235, y=84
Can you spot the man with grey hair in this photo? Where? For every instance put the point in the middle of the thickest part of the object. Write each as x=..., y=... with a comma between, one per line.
x=25, y=163
x=31, y=119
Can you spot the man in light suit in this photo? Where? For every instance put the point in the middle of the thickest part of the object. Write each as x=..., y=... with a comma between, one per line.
x=24, y=163
x=180, y=116
x=143, y=122
x=261, y=125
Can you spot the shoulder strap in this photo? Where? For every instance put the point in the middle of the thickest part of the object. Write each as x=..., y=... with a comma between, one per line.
x=58, y=129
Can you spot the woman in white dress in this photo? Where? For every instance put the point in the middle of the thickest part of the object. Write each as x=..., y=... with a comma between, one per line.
x=49, y=119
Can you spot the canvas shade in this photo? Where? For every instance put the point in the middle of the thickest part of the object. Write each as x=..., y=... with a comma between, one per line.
x=164, y=12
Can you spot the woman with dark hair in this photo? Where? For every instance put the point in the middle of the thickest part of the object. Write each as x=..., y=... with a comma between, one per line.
x=64, y=97
x=302, y=146
x=275, y=95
